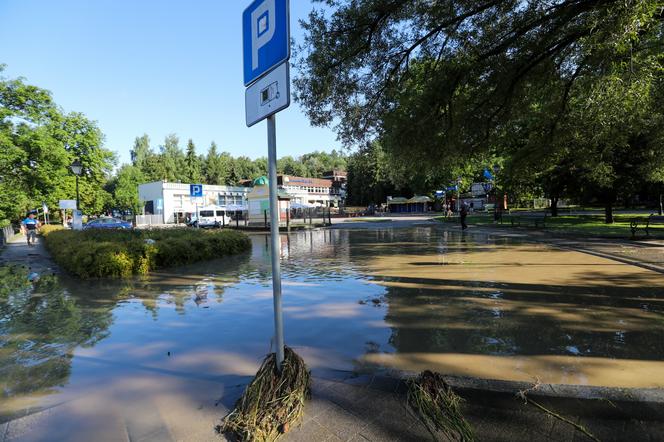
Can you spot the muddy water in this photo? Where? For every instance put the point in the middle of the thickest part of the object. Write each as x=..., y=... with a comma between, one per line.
x=172, y=344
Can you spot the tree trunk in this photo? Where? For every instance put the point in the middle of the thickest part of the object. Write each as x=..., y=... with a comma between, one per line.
x=608, y=213
x=554, y=206
x=661, y=205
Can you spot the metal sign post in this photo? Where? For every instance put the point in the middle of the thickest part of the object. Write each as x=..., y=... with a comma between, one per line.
x=266, y=49
x=274, y=233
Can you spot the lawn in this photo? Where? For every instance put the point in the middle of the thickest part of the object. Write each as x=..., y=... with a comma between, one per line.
x=577, y=225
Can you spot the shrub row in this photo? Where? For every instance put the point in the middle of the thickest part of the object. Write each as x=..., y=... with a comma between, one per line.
x=123, y=253
x=48, y=228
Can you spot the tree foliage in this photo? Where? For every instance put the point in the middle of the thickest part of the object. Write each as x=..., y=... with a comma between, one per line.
x=538, y=84
x=368, y=177
x=38, y=142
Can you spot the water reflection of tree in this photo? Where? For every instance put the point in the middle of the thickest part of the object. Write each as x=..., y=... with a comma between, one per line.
x=365, y=245
x=41, y=324
x=195, y=285
x=467, y=316
x=461, y=321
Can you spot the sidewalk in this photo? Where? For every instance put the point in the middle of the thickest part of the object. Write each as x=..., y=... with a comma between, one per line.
x=374, y=408
x=17, y=251
x=345, y=407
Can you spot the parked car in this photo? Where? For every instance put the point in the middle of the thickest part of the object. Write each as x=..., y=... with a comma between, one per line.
x=107, y=223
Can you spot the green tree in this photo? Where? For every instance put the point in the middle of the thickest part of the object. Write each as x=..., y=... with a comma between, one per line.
x=216, y=170
x=38, y=142
x=172, y=159
x=124, y=187
x=289, y=166
x=243, y=168
x=193, y=166
x=444, y=83
x=141, y=151
x=368, y=181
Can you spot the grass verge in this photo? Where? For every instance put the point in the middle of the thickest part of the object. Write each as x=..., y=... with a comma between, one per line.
x=124, y=253
x=577, y=225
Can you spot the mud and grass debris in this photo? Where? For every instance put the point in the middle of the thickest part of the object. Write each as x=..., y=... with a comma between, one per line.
x=272, y=403
x=438, y=407
x=523, y=395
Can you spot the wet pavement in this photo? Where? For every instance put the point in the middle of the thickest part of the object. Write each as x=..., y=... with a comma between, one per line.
x=165, y=355
x=17, y=251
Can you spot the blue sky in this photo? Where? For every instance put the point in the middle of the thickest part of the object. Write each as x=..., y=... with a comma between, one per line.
x=150, y=66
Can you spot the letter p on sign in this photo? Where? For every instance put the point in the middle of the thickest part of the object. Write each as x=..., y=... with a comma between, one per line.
x=262, y=29
x=265, y=37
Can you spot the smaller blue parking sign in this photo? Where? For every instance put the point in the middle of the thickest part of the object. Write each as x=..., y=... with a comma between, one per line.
x=265, y=37
x=195, y=190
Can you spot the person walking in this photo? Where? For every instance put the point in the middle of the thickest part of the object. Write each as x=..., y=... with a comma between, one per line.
x=30, y=227
x=463, y=213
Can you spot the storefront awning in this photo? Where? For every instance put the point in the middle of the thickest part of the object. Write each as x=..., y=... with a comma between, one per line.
x=398, y=200
x=419, y=199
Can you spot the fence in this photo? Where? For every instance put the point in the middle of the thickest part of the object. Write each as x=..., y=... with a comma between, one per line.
x=6, y=234
x=149, y=220
x=318, y=215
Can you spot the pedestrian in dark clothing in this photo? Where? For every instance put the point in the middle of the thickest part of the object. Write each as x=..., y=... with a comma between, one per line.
x=30, y=227
x=463, y=213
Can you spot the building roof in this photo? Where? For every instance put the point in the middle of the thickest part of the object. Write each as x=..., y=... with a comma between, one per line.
x=398, y=200
x=261, y=181
x=419, y=199
x=335, y=173
x=185, y=187
x=289, y=180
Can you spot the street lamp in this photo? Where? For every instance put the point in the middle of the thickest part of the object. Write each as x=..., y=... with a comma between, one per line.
x=496, y=169
x=77, y=168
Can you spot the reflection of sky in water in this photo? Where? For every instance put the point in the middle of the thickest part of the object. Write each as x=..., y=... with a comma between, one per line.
x=351, y=299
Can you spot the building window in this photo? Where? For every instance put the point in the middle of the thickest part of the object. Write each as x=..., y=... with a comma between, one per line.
x=222, y=200
x=177, y=201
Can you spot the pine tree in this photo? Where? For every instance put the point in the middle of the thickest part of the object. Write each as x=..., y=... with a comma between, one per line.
x=173, y=159
x=192, y=164
x=140, y=151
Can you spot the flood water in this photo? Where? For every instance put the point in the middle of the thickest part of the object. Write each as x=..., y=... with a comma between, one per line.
x=354, y=300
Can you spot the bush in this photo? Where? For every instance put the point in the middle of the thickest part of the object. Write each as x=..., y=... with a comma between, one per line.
x=123, y=253
x=48, y=228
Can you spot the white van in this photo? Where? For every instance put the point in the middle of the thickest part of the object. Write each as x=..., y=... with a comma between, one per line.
x=212, y=216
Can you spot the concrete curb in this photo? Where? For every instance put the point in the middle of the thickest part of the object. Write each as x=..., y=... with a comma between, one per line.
x=577, y=400
x=574, y=400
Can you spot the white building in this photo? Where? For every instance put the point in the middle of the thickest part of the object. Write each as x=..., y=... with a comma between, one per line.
x=170, y=203
x=311, y=191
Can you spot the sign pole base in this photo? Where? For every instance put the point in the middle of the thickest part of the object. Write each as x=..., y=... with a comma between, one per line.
x=274, y=234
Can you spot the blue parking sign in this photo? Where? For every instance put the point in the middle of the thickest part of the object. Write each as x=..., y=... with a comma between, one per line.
x=265, y=37
x=195, y=190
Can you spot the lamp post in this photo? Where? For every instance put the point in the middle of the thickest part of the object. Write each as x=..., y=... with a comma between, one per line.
x=77, y=168
x=496, y=169
x=458, y=205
